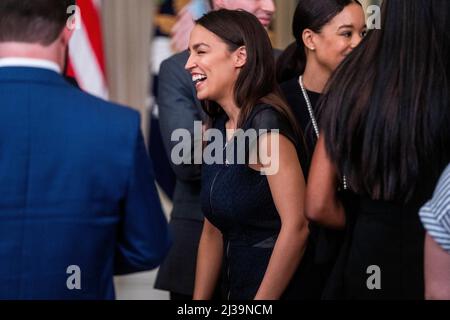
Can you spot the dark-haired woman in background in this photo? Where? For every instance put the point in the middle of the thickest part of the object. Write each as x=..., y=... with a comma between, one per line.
x=386, y=129
x=254, y=229
x=325, y=32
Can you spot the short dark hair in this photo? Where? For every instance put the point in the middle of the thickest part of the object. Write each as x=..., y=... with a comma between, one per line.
x=34, y=21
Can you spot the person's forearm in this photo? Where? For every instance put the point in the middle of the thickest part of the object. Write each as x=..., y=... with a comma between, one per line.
x=209, y=262
x=335, y=220
x=437, y=271
x=322, y=203
x=286, y=256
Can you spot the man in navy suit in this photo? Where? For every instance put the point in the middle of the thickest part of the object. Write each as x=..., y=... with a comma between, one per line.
x=78, y=202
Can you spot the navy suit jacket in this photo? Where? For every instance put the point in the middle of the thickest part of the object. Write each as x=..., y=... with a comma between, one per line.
x=76, y=189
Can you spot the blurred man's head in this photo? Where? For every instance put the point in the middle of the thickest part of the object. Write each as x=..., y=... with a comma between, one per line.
x=262, y=9
x=35, y=28
x=33, y=21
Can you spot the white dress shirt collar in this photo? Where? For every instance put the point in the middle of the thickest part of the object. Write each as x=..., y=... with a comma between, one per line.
x=28, y=62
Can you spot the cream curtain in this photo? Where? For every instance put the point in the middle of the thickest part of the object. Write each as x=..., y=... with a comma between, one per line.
x=283, y=22
x=127, y=27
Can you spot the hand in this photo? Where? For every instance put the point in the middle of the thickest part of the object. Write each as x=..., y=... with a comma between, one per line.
x=182, y=30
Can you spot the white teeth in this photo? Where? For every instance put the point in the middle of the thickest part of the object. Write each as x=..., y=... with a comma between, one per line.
x=198, y=77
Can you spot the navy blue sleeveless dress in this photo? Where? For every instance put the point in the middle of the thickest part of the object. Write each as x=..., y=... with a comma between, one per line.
x=237, y=200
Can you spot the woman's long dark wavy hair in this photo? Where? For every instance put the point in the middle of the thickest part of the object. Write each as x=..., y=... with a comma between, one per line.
x=309, y=14
x=386, y=111
x=256, y=82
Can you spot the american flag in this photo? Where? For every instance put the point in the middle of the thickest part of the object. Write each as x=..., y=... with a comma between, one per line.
x=86, y=58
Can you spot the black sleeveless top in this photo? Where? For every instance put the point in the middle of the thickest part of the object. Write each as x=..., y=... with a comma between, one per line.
x=237, y=200
x=294, y=97
x=325, y=242
x=236, y=197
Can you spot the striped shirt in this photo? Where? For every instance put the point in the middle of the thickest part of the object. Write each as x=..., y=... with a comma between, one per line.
x=435, y=214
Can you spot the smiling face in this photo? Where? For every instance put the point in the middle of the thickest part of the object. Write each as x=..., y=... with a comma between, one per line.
x=214, y=68
x=338, y=37
x=262, y=9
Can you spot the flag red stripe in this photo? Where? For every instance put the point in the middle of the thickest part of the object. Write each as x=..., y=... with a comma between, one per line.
x=70, y=72
x=92, y=23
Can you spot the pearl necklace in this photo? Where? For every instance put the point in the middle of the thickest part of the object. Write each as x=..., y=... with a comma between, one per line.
x=309, y=106
x=313, y=119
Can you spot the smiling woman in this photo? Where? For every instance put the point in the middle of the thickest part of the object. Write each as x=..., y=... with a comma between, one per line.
x=254, y=230
x=211, y=65
x=325, y=33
